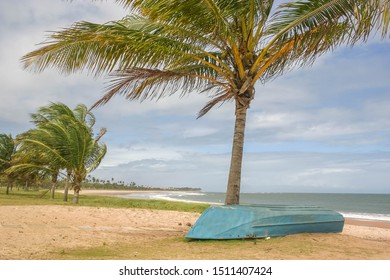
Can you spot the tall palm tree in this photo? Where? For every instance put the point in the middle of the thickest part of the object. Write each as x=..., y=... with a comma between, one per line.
x=7, y=151
x=218, y=47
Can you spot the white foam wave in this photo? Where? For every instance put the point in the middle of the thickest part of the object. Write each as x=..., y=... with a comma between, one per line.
x=367, y=216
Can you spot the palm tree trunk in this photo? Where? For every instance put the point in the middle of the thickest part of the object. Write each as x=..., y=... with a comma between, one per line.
x=53, y=185
x=8, y=187
x=52, y=190
x=66, y=189
x=234, y=182
x=76, y=194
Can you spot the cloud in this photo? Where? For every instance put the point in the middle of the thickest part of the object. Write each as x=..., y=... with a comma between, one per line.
x=190, y=170
x=119, y=156
x=343, y=99
x=317, y=172
x=262, y=172
x=23, y=24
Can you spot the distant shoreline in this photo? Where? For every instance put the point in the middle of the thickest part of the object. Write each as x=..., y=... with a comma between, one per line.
x=124, y=192
x=349, y=221
x=117, y=192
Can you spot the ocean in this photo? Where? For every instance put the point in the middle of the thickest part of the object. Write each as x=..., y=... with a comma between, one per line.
x=359, y=206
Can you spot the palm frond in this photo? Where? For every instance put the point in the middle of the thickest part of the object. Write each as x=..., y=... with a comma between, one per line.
x=212, y=15
x=97, y=153
x=219, y=98
x=360, y=16
x=84, y=115
x=315, y=27
x=29, y=168
x=100, y=48
x=7, y=149
x=143, y=83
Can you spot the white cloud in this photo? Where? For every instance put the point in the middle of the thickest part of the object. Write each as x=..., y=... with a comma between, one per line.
x=272, y=120
x=194, y=132
x=263, y=172
x=118, y=156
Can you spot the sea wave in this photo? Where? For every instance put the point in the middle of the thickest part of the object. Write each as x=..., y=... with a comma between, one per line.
x=367, y=216
x=178, y=197
x=165, y=195
x=361, y=212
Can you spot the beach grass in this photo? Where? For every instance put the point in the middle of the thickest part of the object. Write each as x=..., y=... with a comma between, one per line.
x=41, y=197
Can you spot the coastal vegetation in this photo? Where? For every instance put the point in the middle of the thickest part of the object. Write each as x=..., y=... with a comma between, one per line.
x=91, y=183
x=216, y=47
x=40, y=197
x=62, y=144
x=7, y=150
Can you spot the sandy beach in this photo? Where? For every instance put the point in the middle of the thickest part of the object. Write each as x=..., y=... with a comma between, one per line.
x=43, y=232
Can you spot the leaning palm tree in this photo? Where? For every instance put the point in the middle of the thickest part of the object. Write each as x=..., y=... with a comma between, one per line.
x=83, y=153
x=221, y=48
x=56, y=111
x=64, y=143
x=37, y=156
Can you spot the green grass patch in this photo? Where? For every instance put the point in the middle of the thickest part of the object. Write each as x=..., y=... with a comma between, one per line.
x=20, y=197
x=95, y=253
x=179, y=248
x=42, y=197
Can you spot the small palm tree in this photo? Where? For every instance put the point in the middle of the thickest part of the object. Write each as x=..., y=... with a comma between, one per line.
x=7, y=151
x=56, y=111
x=218, y=47
x=63, y=141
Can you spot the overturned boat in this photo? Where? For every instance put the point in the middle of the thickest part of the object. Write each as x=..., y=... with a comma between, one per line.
x=262, y=221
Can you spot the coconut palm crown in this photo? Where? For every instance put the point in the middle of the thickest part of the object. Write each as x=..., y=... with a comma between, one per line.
x=220, y=48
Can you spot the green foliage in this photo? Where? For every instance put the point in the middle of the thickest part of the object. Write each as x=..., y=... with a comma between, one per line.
x=22, y=197
x=99, y=201
x=61, y=143
x=7, y=150
x=36, y=198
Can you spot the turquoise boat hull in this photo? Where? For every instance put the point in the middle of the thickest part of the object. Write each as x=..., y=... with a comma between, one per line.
x=262, y=221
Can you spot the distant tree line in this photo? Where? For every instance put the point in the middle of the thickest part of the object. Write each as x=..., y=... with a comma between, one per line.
x=90, y=183
x=96, y=183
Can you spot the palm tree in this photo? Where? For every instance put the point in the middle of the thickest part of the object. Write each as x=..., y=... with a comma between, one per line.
x=63, y=141
x=218, y=47
x=37, y=156
x=84, y=154
x=56, y=111
x=7, y=151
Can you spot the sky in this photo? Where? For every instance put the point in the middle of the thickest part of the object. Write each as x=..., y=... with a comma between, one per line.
x=325, y=128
